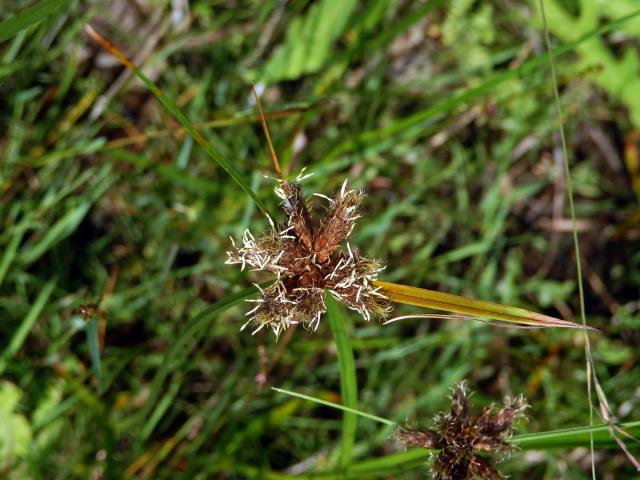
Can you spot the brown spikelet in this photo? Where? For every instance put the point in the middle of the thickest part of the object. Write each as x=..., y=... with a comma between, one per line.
x=418, y=438
x=298, y=217
x=308, y=260
x=338, y=223
x=461, y=434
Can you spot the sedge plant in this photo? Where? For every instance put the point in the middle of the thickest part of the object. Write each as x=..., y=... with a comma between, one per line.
x=163, y=398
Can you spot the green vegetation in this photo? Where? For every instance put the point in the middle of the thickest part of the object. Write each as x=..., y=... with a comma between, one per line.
x=120, y=349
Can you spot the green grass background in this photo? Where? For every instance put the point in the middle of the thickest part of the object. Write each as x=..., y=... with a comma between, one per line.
x=442, y=111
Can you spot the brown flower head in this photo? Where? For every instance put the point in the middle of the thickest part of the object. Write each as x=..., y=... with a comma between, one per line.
x=307, y=260
x=461, y=433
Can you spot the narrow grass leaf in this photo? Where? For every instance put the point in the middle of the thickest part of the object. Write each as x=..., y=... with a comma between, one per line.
x=29, y=16
x=169, y=172
x=176, y=112
x=348, y=383
x=70, y=221
x=389, y=465
x=10, y=251
x=162, y=407
x=27, y=324
x=576, y=243
x=468, y=306
x=241, y=118
x=60, y=230
x=93, y=343
x=592, y=376
x=337, y=406
x=573, y=437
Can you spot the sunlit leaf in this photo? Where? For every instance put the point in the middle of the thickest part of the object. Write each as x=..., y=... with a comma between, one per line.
x=481, y=309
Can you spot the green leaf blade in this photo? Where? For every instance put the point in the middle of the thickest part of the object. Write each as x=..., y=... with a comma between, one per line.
x=93, y=343
x=422, y=297
x=348, y=382
x=29, y=16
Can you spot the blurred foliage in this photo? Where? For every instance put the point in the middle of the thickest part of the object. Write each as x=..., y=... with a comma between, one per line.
x=441, y=111
x=16, y=431
x=310, y=40
x=617, y=65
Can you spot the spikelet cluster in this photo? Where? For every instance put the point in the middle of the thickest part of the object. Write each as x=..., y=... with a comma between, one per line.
x=307, y=259
x=460, y=434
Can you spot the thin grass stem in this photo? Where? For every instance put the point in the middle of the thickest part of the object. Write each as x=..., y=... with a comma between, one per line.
x=576, y=243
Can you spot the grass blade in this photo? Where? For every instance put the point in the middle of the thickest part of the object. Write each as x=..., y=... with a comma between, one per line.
x=176, y=112
x=27, y=323
x=348, y=384
x=93, y=342
x=58, y=231
x=468, y=306
x=11, y=250
x=29, y=16
x=389, y=466
x=327, y=403
x=237, y=119
x=573, y=437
